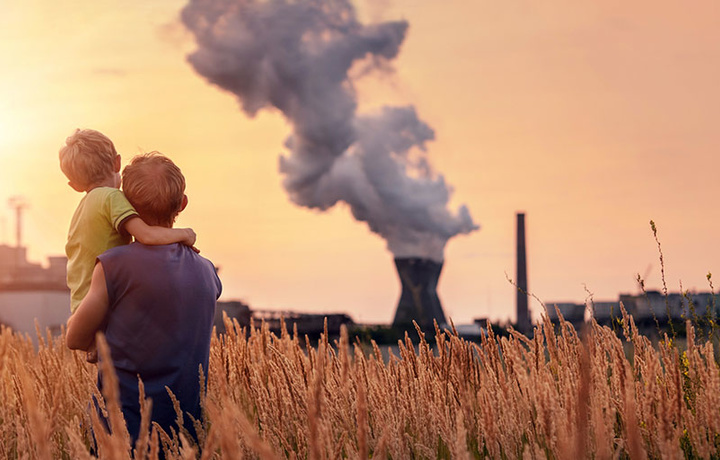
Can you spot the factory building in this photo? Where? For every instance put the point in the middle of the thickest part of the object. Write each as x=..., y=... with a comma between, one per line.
x=646, y=308
x=30, y=292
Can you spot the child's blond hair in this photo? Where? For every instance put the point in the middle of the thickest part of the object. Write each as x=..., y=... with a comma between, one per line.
x=87, y=158
x=155, y=187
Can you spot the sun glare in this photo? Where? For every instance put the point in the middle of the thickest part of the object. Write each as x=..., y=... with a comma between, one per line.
x=11, y=129
x=5, y=129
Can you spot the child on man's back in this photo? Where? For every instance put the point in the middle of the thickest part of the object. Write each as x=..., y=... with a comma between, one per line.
x=104, y=218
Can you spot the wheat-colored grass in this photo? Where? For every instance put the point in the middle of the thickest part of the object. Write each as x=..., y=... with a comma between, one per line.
x=554, y=395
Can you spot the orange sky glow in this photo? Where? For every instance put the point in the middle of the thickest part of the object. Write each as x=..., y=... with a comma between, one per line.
x=591, y=117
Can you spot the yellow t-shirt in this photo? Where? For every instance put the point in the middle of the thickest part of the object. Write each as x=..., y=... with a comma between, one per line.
x=95, y=227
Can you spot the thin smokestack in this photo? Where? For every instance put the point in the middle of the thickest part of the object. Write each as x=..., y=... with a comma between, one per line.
x=523, y=314
x=295, y=56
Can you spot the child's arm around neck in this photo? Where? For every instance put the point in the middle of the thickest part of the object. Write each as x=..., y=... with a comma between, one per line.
x=155, y=235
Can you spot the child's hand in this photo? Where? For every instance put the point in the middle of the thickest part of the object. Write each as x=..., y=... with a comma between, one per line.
x=190, y=238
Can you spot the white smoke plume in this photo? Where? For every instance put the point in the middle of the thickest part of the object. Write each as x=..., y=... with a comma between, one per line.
x=295, y=56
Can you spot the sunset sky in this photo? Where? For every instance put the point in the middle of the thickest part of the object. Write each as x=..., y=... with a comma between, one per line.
x=591, y=117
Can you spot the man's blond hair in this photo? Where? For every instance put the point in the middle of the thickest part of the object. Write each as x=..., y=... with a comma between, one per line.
x=155, y=187
x=87, y=158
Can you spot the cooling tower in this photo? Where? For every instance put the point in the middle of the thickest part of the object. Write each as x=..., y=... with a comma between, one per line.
x=419, y=300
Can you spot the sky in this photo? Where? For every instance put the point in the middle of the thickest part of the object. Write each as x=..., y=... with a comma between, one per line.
x=592, y=118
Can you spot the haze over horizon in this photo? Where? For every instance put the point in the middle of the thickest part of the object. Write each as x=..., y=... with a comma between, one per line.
x=592, y=119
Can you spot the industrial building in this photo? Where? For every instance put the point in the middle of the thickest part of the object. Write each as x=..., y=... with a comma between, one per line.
x=647, y=309
x=31, y=293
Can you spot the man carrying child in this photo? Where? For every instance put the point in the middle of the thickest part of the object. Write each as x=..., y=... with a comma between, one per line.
x=103, y=219
x=155, y=304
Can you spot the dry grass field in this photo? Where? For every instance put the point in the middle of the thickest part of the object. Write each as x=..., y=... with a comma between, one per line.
x=554, y=396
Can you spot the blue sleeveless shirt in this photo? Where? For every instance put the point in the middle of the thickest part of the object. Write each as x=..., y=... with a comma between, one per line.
x=162, y=304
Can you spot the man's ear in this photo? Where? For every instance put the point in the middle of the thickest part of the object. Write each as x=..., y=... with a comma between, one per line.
x=184, y=203
x=76, y=187
x=118, y=162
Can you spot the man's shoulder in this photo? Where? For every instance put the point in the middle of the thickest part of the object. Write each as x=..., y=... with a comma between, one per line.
x=119, y=251
x=197, y=257
x=173, y=258
x=137, y=249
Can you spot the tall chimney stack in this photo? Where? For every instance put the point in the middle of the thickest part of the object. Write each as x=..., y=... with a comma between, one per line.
x=521, y=304
x=18, y=203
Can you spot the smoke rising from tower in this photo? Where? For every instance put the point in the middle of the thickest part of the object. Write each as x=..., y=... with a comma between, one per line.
x=295, y=56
